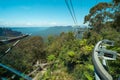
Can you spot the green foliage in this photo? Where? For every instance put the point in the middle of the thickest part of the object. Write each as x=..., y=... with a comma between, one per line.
x=25, y=54
x=104, y=13
x=105, y=22
x=114, y=68
x=116, y=49
x=47, y=75
x=85, y=48
x=70, y=57
x=84, y=72
x=71, y=53
x=51, y=57
x=116, y=23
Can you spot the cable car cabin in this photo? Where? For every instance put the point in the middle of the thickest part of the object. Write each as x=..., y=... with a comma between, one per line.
x=79, y=32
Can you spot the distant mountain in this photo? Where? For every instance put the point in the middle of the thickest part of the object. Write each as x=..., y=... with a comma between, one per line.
x=29, y=30
x=9, y=32
x=56, y=30
x=44, y=31
x=6, y=33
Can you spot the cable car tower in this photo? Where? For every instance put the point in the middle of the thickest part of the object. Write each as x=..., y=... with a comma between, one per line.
x=77, y=29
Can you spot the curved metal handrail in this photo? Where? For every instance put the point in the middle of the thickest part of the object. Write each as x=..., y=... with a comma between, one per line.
x=100, y=70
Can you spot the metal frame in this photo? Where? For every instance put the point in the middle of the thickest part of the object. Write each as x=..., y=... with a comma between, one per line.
x=100, y=72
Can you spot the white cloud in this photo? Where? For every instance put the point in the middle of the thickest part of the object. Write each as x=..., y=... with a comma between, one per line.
x=29, y=24
x=44, y=23
x=53, y=23
x=32, y=24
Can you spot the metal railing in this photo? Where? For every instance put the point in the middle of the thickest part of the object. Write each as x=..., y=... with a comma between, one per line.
x=100, y=52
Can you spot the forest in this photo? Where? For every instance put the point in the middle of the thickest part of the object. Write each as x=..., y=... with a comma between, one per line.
x=66, y=57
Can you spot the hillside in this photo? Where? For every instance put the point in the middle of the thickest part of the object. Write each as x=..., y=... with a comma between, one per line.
x=7, y=32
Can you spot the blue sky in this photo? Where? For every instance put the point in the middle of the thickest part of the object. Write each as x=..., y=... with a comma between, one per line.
x=43, y=12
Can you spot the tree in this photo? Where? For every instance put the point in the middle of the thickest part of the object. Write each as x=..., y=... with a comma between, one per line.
x=99, y=15
x=26, y=54
x=104, y=19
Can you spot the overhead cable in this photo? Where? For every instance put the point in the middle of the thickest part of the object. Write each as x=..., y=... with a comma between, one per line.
x=71, y=11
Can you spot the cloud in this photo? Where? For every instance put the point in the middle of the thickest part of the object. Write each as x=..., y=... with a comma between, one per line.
x=32, y=24
x=53, y=23
x=29, y=24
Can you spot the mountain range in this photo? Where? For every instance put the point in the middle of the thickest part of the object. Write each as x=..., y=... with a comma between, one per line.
x=37, y=31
